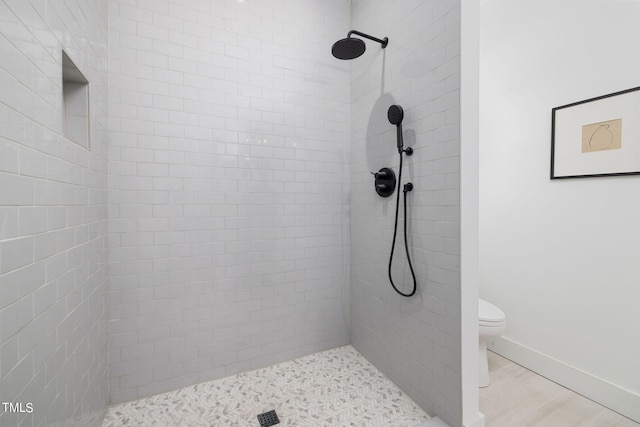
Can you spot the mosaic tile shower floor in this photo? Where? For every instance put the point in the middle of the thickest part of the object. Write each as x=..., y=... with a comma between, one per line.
x=334, y=388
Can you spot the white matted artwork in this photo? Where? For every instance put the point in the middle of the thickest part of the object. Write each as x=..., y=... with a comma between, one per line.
x=597, y=137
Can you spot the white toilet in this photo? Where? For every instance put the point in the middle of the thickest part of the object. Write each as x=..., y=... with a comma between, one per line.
x=492, y=324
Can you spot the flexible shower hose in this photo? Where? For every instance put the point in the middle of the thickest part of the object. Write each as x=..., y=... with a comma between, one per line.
x=407, y=187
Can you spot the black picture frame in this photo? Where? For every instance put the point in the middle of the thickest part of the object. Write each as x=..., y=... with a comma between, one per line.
x=597, y=137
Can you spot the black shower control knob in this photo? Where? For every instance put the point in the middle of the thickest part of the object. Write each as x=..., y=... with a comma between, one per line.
x=385, y=182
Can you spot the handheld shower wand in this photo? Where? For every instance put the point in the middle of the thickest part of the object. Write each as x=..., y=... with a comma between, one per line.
x=395, y=114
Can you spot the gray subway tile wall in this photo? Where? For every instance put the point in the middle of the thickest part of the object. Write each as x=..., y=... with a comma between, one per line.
x=222, y=216
x=53, y=219
x=415, y=341
x=229, y=186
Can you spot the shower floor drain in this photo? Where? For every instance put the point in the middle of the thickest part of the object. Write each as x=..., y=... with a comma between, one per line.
x=268, y=419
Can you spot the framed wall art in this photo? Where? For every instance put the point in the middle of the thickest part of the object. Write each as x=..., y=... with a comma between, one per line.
x=597, y=137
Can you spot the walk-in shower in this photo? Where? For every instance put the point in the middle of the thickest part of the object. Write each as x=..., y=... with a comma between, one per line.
x=351, y=48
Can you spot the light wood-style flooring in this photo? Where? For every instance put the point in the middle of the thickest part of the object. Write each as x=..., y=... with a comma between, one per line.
x=519, y=397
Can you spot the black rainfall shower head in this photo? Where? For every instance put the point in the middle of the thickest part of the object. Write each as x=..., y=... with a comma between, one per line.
x=395, y=114
x=351, y=48
x=348, y=48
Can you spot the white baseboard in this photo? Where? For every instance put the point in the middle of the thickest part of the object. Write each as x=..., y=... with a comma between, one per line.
x=614, y=397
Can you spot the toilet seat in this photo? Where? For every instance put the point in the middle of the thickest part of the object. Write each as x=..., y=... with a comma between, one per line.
x=489, y=315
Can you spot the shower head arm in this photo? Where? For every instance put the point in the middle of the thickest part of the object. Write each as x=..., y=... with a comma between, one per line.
x=383, y=42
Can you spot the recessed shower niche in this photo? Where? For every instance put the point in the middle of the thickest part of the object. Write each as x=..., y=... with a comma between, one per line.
x=75, y=103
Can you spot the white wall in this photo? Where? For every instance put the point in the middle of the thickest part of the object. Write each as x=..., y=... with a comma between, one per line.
x=53, y=217
x=559, y=257
x=415, y=341
x=469, y=208
x=229, y=188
